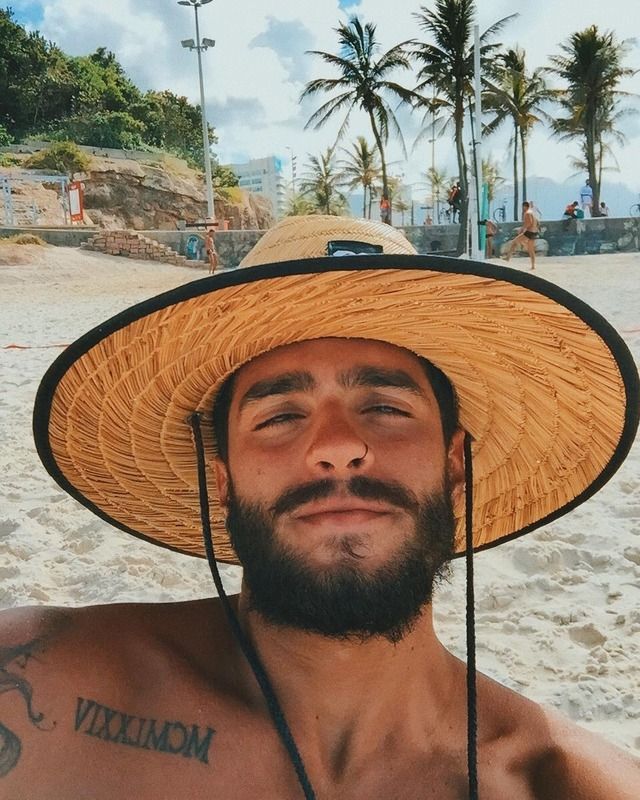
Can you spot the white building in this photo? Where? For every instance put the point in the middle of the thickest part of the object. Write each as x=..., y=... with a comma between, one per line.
x=263, y=176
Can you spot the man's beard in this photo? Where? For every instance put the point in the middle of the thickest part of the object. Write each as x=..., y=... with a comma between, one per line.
x=343, y=601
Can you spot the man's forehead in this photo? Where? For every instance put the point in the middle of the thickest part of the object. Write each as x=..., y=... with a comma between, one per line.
x=328, y=352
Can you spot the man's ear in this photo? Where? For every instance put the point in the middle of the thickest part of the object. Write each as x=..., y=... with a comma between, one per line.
x=222, y=480
x=455, y=463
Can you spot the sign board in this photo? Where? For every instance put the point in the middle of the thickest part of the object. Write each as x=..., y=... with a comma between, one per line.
x=76, y=207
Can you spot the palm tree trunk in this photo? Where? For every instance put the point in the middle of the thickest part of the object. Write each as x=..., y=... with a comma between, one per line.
x=461, y=246
x=523, y=152
x=386, y=215
x=364, y=201
x=591, y=167
x=516, y=204
x=600, y=160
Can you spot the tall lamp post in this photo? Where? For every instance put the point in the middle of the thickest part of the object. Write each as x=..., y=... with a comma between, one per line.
x=199, y=47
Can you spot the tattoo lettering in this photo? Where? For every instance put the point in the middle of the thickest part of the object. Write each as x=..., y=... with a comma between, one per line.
x=10, y=745
x=110, y=725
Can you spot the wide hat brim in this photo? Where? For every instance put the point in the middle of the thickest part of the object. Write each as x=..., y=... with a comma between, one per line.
x=547, y=388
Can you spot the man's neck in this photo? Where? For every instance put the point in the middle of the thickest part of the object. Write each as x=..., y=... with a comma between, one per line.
x=346, y=695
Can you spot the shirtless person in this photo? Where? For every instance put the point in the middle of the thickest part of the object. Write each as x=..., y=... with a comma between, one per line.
x=340, y=469
x=527, y=235
x=210, y=249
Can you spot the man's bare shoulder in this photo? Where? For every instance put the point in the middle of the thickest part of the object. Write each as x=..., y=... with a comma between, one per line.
x=586, y=766
x=562, y=760
x=111, y=637
x=73, y=677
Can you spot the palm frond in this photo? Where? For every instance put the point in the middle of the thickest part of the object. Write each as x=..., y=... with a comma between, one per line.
x=328, y=109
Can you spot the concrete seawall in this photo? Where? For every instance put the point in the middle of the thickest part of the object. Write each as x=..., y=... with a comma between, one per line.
x=580, y=237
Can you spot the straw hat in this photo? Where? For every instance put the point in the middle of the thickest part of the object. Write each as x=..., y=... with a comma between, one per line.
x=547, y=389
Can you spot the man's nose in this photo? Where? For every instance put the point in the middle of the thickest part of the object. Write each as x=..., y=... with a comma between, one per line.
x=337, y=446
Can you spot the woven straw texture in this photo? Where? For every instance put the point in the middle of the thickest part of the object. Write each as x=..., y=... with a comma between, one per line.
x=307, y=237
x=539, y=390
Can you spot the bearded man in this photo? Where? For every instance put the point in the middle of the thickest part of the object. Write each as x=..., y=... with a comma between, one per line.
x=342, y=427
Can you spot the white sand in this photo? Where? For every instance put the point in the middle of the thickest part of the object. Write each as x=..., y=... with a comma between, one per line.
x=558, y=610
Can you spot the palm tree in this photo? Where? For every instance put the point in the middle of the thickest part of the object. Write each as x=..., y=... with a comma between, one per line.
x=320, y=184
x=298, y=205
x=591, y=66
x=401, y=204
x=447, y=68
x=517, y=97
x=362, y=84
x=361, y=168
x=438, y=183
x=491, y=176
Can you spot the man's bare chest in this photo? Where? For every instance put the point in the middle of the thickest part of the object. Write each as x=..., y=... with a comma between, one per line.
x=113, y=754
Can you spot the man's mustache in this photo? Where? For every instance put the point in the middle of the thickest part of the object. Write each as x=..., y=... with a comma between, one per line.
x=360, y=486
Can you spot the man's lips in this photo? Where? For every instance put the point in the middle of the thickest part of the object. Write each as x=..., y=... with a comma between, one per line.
x=339, y=511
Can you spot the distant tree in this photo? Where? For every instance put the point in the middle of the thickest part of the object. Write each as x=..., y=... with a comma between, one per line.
x=48, y=94
x=363, y=82
x=492, y=178
x=446, y=66
x=298, y=205
x=223, y=176
x=114, y=129
x=54, y=88
x=438, y=184
x=361, y=168
x=591, y=65
x=173, y=124
x=23, y=62
x=5, y=137
x=320, y=184
x=516, y=96
x=401, y=204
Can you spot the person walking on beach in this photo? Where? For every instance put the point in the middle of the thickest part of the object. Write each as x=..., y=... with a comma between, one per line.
x=586, y=198
x=210, y=248
x=280, y=418
x=527, y=235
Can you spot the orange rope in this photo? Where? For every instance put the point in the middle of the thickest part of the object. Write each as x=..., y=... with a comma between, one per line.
x=31, y=346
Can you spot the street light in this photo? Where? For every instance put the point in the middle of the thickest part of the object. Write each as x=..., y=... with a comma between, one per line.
x=199, y=47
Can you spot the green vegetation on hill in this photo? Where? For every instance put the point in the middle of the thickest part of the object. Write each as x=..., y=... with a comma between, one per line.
x=47, y=94
x=61, y=157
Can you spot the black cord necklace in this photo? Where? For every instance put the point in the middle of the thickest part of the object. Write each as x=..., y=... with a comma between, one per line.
x=250, y=653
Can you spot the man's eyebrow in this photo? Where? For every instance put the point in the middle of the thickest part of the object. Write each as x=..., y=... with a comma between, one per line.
x=380, y=378
x=285, y=383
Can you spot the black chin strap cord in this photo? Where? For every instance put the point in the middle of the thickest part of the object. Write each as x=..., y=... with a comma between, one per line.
x=472, y=711
x=243, y=640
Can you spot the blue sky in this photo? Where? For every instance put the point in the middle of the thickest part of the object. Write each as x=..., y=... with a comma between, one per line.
x=258, y=68
x=28, y=14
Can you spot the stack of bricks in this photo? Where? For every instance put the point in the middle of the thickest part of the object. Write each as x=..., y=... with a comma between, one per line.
x=133, y=245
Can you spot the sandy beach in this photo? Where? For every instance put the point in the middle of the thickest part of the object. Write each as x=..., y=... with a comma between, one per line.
x=558, y=611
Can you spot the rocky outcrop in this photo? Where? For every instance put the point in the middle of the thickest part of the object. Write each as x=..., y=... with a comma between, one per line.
x=121, y=193
x=127, y=194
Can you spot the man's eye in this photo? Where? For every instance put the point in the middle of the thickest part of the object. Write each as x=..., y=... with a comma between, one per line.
x=278, y=419
x=386, y=410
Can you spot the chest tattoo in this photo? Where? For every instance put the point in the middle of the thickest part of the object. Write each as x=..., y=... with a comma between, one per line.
x=164, y=736
x=12, y=659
